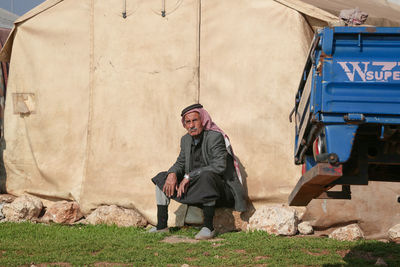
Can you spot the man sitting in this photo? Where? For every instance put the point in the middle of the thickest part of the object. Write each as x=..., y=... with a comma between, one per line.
x=205, y=173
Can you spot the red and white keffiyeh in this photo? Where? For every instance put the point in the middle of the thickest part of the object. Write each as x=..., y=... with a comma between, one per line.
x=209, y=125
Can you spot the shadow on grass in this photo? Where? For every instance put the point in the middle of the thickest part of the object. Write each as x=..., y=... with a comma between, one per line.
x=371, y=254
x=174, y=230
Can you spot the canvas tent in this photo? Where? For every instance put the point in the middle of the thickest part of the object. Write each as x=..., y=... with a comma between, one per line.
x=96, y=113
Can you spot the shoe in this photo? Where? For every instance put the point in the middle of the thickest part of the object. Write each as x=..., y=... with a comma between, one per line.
x=205, y=234
x=154, y=230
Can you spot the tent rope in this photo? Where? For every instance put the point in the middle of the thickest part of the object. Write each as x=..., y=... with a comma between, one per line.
x=164, y=12
x=124, y=9
x=163, y=8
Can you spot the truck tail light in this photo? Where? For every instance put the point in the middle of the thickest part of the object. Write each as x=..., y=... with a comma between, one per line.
x=318, y=147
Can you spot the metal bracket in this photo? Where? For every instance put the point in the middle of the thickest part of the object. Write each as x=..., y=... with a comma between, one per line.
x=313, y=183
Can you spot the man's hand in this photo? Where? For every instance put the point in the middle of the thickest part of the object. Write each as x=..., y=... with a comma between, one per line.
x=170, y=184
x=182, y=187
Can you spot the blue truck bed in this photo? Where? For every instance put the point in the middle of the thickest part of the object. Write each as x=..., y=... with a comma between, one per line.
x=347, y=109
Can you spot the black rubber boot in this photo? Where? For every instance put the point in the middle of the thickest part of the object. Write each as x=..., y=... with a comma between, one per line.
x=209, y=217
x=162, y=217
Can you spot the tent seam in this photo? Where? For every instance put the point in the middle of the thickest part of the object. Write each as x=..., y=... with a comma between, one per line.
x=91, y=84
x=308, y=23
x=198, y=50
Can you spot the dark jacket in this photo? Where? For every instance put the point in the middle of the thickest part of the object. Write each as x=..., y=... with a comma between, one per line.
x=217, y=160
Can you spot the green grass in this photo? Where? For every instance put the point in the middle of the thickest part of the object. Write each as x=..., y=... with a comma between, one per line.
x=27, y=243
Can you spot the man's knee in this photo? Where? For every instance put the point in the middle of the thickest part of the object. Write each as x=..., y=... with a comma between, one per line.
x=161, y=198
x=208, y=177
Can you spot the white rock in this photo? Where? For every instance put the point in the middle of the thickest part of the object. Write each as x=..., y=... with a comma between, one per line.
x=1, y=211
x=6, y=198
x=116, y=215
x=394, y=233
x=63, y=212
x=381, y=262
x=25, y=207
x=279, y=220
x=349, y=233
x=305, y=228
x=300, y=212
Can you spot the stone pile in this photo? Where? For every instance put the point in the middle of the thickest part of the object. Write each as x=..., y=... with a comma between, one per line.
x=30, y=208
x=274, y=219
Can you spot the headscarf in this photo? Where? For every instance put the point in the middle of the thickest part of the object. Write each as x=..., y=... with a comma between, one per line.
x=209, y=125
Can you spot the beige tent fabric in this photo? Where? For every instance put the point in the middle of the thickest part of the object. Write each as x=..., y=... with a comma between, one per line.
x=107, y=94
x=249, y=75
x=93, y=101
x=45, y=150
x=145, y=71
x=5, y=53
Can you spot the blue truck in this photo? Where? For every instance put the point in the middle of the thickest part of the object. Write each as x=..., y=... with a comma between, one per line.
x=347, y=112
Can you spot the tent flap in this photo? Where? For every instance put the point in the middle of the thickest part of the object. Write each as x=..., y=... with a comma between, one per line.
x=311, y=11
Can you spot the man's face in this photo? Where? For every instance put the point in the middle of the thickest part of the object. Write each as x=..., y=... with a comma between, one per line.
x=193, y=123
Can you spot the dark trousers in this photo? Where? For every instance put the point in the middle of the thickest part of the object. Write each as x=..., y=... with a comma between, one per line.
x=205, y=189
